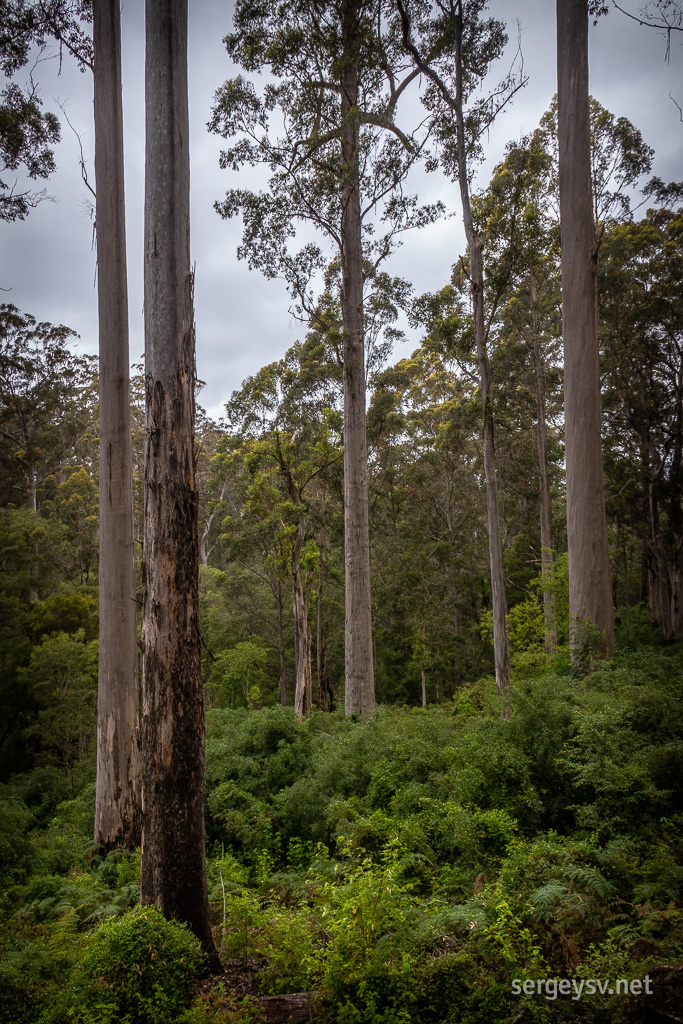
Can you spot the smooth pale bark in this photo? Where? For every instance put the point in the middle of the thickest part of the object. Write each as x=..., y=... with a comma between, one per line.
x=550, y=623
x=359, y=695
x=501, y=646
x=590, y=593
x=117, y=792
x=204, y=549
x=173, y=866
x=302, y=635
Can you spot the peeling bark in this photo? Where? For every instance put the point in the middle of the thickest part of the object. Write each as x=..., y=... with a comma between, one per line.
x=173, y=867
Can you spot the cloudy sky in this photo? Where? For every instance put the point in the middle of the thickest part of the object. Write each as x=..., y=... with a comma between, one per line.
x=47, y=263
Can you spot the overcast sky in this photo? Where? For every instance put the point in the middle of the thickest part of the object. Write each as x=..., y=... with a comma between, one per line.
x=48, y=262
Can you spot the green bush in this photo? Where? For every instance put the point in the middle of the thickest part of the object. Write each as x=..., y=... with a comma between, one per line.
x=140, y=969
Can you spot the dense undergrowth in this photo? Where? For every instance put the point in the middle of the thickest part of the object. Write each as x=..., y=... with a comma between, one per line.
x=411, y=866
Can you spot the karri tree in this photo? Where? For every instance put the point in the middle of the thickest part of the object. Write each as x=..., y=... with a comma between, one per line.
x=117, y=798
x=173, y=865
x=590, y=586
x=326, y=129
x=453, y=46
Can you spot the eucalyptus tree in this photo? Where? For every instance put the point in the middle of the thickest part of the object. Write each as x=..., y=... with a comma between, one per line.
x=117, y=798
x=173, y=865
x=291, y=437
x=27, y=133
x=428, y=518
x=521, y=253
x=641, y=327
x=47, y=404
x=454, y=46
x=590, y=589
x=325, y=128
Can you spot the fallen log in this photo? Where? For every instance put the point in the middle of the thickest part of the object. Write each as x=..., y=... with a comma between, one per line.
x=293, y=1006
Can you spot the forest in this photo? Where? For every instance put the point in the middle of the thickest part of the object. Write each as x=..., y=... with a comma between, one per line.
x=362, y=702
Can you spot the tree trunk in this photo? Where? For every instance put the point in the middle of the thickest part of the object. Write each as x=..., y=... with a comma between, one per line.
x=590, y=598
x=173, y=867
x=302, y=636
x=319, y=655
x=282, y=688
x=359, y=681
x=542, y=445
x=501, y=649
x=660, y=602
x=676, y=580
x=117, y=793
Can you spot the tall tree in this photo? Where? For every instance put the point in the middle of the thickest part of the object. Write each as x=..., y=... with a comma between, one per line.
x=117, y=795
x=590, y=590
x=173, y=866
x=465, y=45
x=46, y=403
x=642, y=338
x=338, y=164
x=522, y=251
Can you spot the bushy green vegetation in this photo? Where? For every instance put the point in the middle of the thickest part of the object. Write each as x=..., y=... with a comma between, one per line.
x=409, y=866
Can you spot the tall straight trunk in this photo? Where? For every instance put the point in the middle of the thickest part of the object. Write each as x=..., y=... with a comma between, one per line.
x=660, y=602
x=173, y=866
x=423, y=675
x=590, y=595
x=359, y=677
x=501, y=647
x=319, y=655
x=302, y=636
x=550, y=624
x=31, y=487
x=117, y=792
x=676, y=581
x=282, y=688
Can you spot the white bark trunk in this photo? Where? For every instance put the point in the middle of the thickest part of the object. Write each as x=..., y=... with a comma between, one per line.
x=117, y=794
x=590, y=593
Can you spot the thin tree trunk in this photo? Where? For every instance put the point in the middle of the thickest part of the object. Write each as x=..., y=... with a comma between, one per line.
x=32, y=488
x=676, y=580
x=501, y=648
x=117, y=792
x=282, y=688
x=422, y=668
x=319, y=642
x=542, y=446
x=173, y=866
x=302, y=636
x=359, y=679
x=660, y=602
x=590, y=598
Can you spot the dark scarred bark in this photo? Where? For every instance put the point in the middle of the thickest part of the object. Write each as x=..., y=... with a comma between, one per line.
x=590, y=593
x=173, y=866
x=117, y=794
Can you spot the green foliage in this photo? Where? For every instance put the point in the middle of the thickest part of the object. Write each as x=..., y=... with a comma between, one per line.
x=239, y=675
x=140, y=968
